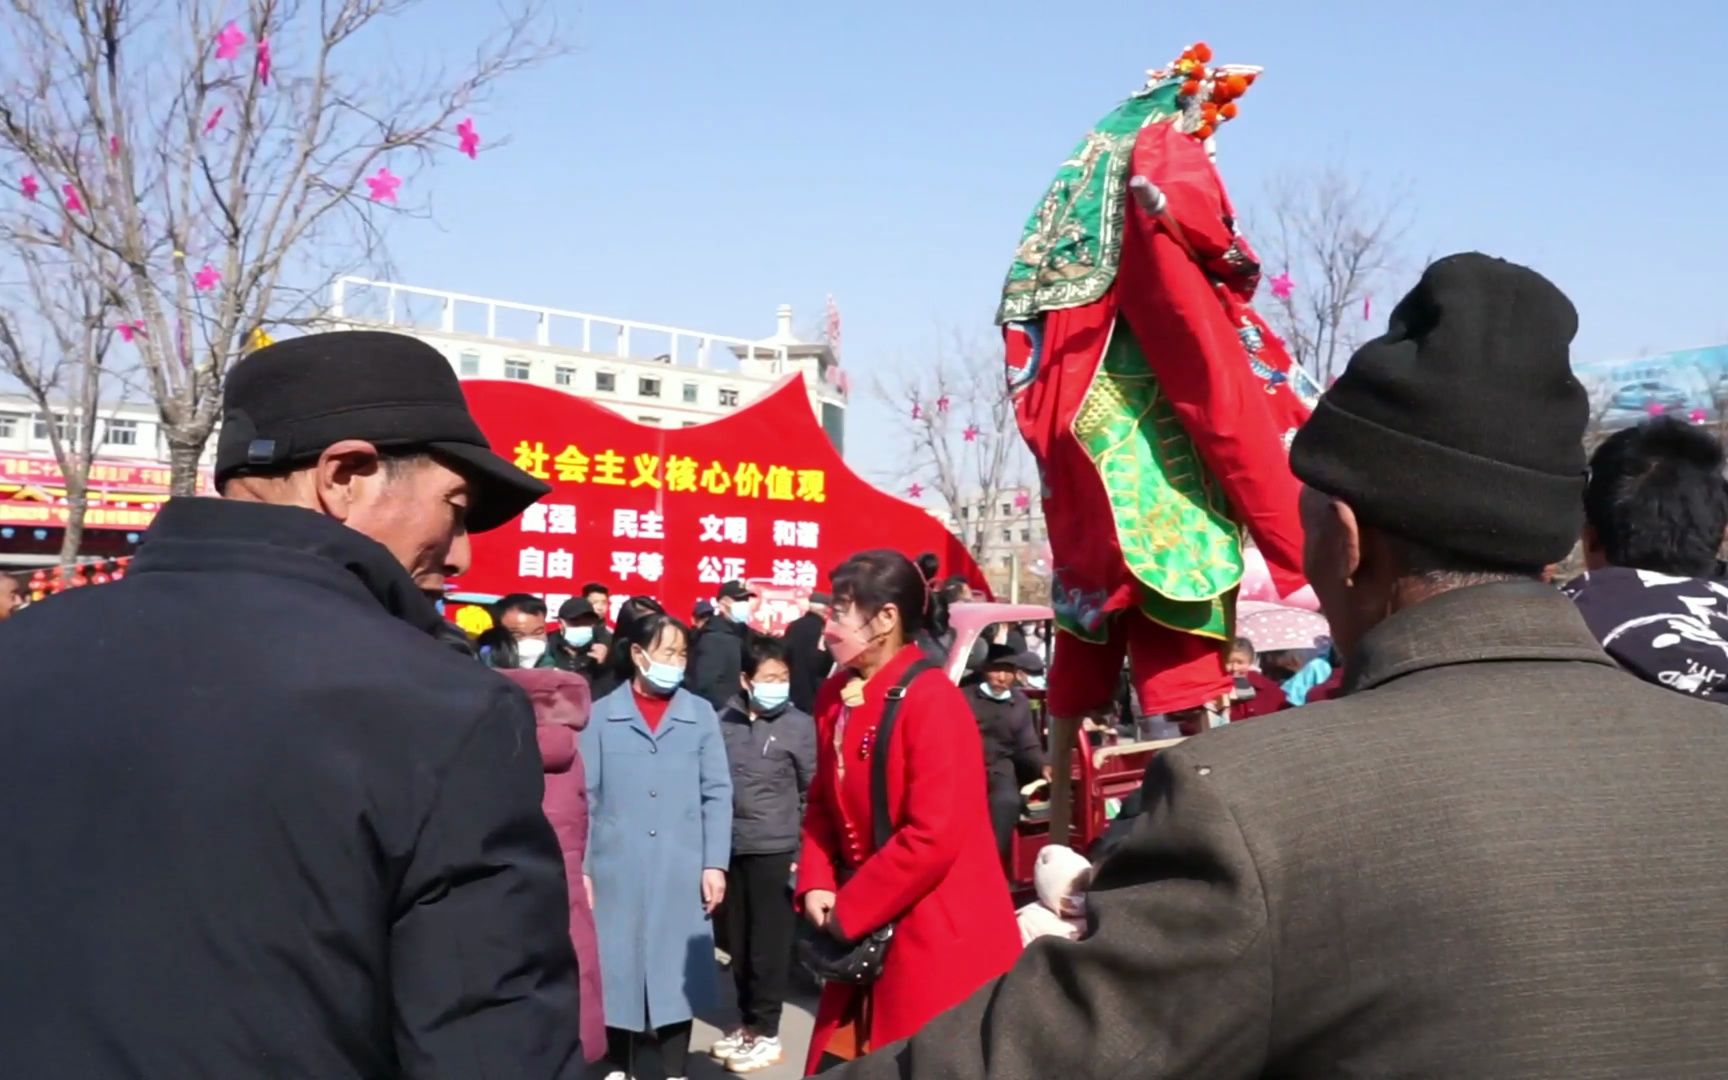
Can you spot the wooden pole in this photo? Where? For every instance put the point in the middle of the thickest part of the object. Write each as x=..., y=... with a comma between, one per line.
x=1063, y=733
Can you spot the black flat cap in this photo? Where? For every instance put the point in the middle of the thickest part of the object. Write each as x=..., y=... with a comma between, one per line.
x=287, y=403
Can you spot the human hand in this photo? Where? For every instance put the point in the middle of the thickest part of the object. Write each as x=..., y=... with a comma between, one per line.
x=1050, y=774
x=713, y=889
x=588, y=890
x=819, y=907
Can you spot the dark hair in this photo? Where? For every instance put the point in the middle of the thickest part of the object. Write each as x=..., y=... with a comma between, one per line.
x=762, y=649
x=1243, y=645
x=499, y=646
x=526, y=603
x=1656, y=499
x=929, y=565
x=640, y=620
x=1438, y=570
x=595, y=587
x=449, y=634
x=871, y=580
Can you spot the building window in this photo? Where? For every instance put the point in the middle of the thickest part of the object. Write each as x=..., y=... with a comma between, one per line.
x=120, y=433
x=651, y=421
x=728, y=397
x=646, y=387
x=518, y=369
x=468, y=364
x=1026, y=535
x=692, y=393
x=8, y=427
x=1007, y=536
x=965, y=513
x=41, y=428
x=564, y=375
x=1007, y=509
x=606, y=382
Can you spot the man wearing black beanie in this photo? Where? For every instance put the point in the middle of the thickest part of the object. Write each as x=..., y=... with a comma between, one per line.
x=1497, y=855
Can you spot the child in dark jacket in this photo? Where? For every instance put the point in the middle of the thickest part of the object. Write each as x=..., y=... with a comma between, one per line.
x=772, y=750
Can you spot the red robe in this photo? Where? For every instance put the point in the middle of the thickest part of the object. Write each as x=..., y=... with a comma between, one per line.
x=938, y=878
x=1186, y=301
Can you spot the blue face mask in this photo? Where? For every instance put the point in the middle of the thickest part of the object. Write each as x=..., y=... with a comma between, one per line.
x=664, y=678
x=579, y=636
x=995, y=694
x=738, y=613
x=769, y=696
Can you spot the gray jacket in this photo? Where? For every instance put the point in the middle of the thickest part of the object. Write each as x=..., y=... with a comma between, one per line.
x=1496, y=856
x=773, y=759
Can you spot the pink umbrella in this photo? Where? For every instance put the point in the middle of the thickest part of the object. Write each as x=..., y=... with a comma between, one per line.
x=1257, y=584
x=1276, y=627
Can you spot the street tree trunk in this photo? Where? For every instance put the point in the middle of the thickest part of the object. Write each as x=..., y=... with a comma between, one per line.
x=183, y=453
x=77, y=502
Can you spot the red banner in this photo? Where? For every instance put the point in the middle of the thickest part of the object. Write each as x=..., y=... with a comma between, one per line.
x=759, y=495
x=121, y=494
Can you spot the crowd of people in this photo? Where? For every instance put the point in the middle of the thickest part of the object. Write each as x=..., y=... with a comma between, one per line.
x=1476, y=834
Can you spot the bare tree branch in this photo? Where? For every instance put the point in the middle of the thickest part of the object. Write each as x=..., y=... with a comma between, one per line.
x=179, y=160
x=1341, y=246
x=958, y=389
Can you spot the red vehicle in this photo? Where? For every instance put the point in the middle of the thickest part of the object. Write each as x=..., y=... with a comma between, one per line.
x=1101, y=769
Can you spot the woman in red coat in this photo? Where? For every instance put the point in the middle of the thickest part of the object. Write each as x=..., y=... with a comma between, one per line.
x=562, y=703
x=938, y=879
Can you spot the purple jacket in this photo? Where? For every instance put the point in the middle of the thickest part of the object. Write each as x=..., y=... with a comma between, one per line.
x=561, y=707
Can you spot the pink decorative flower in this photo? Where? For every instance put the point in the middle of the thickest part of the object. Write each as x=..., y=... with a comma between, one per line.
x=207, y=278
x=384, y=184
x=1282, y=286
x=73, y=202
x=30, y=186
x=469, y=139
x=228, y=42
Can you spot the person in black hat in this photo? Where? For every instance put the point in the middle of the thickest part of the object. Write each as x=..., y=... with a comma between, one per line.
x=1470, y=862
x=577, y=647
x=717, y=657
x=806, y=654
x=295, y=832
x=1013, y=752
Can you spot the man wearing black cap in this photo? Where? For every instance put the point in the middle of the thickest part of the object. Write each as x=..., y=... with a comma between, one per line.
x=806, y=654
x=717, y=658
x=280, y=830
x=578, y=647
x=1013, y=752
x=1496, y=855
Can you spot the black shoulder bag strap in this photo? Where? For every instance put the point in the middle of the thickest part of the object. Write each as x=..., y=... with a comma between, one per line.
x=881, y=820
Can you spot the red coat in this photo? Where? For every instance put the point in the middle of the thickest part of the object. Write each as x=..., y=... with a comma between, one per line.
x=1268, y=698
x=938, y=879
x=561, y=708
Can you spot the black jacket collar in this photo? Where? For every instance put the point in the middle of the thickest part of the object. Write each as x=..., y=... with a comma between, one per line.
x=1506, y=621
x=201, y=535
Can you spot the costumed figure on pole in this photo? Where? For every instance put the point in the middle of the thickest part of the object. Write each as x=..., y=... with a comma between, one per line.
x=1154, y=398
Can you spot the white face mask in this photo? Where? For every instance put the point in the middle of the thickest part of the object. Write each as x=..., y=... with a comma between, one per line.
x=529, y=651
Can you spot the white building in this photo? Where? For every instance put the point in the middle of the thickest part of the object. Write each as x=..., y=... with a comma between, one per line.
x=127, y=432
x=1002, y=531
x=659, y=375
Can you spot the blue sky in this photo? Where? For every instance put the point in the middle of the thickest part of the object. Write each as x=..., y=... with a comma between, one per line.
x=700, y=163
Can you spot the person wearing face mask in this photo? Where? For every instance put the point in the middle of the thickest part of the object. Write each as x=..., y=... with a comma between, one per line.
x=937, y=879
x=577, y=646
x=717, y=657
x=771, y=746
x=519, y=638
x=659, y=842
x=1013, y=752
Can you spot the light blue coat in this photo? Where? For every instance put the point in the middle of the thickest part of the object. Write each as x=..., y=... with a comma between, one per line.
x=659, y=812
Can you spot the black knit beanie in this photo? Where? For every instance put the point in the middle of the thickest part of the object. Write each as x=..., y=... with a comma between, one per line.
x=1461, y=428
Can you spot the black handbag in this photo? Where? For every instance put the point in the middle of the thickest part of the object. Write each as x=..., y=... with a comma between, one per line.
x=859, y=963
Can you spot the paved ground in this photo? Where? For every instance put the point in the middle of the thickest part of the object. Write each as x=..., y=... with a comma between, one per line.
x=794, y=1036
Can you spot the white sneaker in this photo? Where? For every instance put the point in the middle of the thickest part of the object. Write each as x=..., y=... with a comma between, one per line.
x=727, y=1046
x=757, y=1054
x=617, y=1075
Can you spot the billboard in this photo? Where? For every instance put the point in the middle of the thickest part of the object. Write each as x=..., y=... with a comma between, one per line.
x=1689, y=383
x=121, y=494
x=759, y=495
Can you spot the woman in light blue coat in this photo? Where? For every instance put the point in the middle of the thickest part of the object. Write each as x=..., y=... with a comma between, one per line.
x=659, y=839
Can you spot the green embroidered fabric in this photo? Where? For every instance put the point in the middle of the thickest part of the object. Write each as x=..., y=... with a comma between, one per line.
x=1072, y=243
x=1171, y=517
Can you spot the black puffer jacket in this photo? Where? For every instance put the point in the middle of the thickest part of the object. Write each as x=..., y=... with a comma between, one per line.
x=773, y=759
